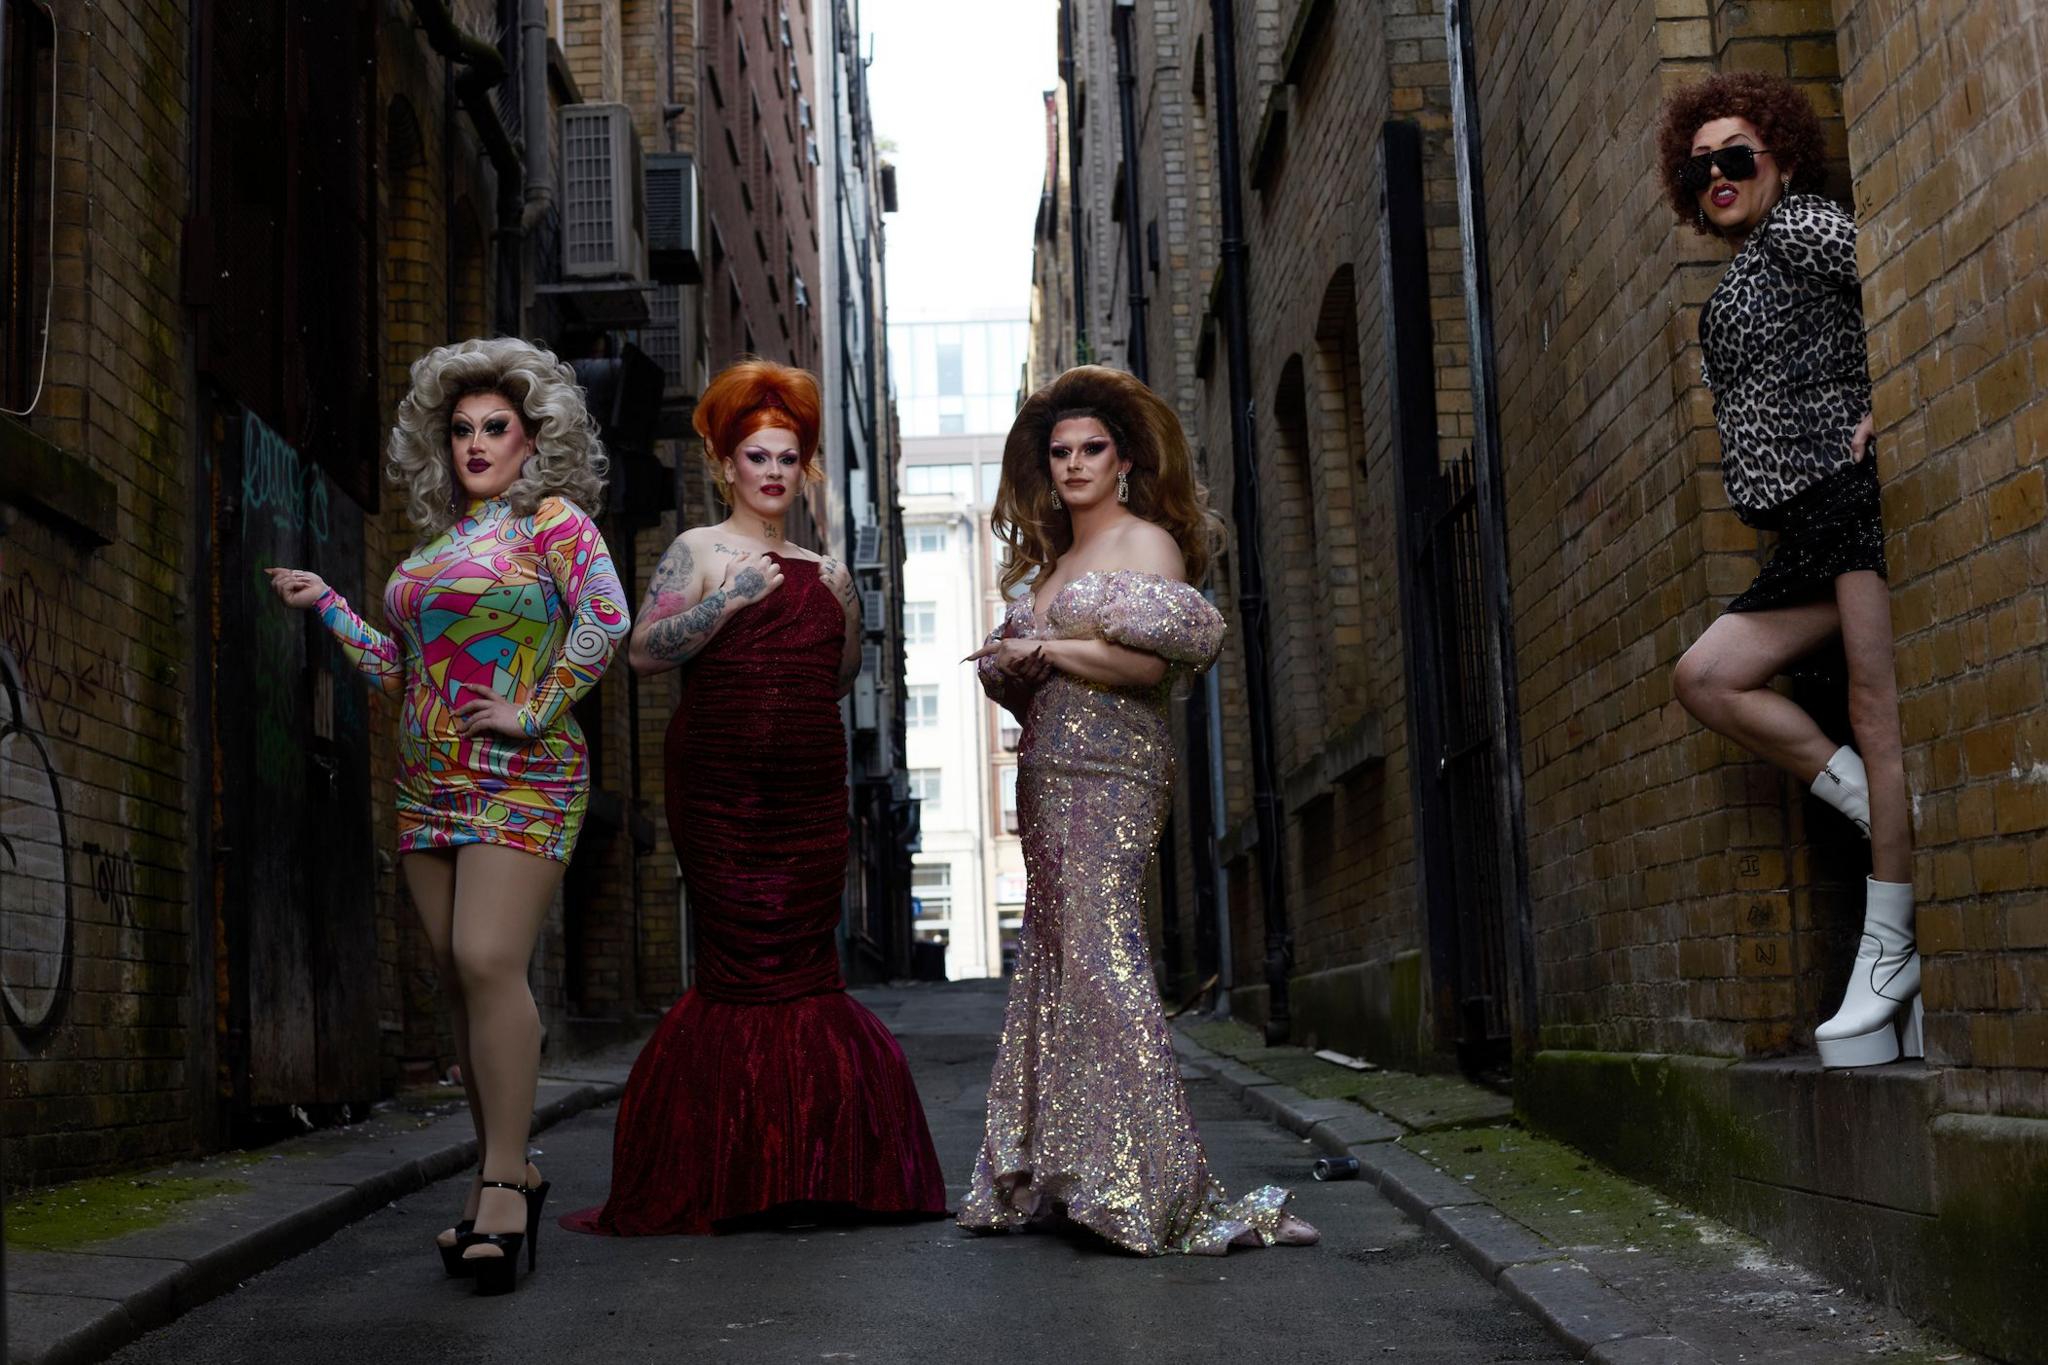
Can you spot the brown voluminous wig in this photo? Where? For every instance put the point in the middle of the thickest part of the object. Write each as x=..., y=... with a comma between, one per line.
x=1163, y=486
x=1783, y=116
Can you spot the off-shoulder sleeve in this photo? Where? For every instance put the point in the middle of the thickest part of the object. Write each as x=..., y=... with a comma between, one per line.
x=1159, y=616
x=576, y=558
x=375, y=654
x=1813, y=236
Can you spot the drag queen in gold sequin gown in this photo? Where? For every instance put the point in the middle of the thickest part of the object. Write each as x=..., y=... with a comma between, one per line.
x=1087, y=1119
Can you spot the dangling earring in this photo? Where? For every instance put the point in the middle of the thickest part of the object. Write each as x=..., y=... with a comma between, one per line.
x=1123, y=487
x=1701, y=218
x=1056, y=503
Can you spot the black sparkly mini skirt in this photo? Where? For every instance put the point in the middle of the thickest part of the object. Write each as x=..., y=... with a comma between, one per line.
x=1825, y=530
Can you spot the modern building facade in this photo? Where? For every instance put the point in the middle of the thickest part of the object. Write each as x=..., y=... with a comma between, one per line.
x=956, y=385
x=1405, y=271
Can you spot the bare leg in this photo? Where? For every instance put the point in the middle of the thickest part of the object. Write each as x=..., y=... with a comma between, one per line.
x=430, y=876
x=1724, y=680
x=501, y=897
x=1866, y=612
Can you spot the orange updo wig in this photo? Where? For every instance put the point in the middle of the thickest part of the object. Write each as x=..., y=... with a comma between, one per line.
x=750, y=396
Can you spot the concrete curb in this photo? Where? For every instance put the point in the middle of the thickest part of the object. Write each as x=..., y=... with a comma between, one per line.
x=1574, y=1305
x=108, y=1311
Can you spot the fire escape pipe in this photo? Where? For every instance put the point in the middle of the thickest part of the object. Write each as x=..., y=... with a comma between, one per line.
x=1244, y=509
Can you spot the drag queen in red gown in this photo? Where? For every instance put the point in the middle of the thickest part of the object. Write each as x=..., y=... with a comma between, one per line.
x=767, y=1093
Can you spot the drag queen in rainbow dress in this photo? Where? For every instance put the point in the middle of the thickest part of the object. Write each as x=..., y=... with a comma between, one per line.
x=506, y=612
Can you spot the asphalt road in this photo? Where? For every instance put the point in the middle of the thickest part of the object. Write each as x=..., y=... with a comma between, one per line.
x=1376, y=1289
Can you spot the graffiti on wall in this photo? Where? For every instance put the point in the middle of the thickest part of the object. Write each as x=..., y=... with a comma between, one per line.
x=69, y=678
x=279, y=487
x=35, y=882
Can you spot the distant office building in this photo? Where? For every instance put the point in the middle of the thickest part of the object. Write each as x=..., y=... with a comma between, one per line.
x=956, y=391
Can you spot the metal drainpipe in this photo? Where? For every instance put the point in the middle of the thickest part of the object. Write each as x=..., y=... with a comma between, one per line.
x=1127, y=87
x=1074, y=185
x=482, y=68
x=533, y=113
x=1251, y=577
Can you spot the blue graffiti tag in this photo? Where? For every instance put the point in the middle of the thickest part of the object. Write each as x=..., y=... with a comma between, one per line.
x=276, y=480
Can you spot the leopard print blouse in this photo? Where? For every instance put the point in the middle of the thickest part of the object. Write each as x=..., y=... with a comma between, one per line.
x=1781, y=342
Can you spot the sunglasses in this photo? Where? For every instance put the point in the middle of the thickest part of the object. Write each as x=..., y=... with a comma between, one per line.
x=1695, y=173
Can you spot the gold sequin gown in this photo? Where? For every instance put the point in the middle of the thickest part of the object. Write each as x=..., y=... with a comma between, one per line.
x=1086, y=1114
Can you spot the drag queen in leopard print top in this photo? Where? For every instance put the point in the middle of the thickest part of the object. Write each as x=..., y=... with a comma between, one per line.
x=1783, y=353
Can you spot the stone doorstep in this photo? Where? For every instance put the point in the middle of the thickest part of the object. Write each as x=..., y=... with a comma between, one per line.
x=1574, y=1305
x=66, y=1307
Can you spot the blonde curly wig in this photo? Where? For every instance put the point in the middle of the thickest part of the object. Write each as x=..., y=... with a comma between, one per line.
x=568, y=459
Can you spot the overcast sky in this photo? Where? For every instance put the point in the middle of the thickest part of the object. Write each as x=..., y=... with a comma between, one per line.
x=959, y=86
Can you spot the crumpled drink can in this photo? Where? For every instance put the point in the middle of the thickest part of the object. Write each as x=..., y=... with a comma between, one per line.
x=1336, y=1168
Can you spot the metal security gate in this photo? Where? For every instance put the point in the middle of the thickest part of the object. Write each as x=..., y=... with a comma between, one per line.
x=1463, y=691
x=1455, y=695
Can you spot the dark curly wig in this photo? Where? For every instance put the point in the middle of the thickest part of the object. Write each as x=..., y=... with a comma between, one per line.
x=1783, y=116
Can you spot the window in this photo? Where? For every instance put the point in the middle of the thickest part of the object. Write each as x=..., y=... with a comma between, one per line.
x=1008, y=733
x=950, y=384
x=931, y=891
x=1009, y=785
x=927, y=785
x=952, y=423
x=925, y=540
x=921, y=706
x=991, y=480
x=25, y=92
x=920, y=623
x=939, y=480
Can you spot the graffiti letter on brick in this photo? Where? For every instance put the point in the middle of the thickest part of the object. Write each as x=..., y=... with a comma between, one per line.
x=35, y=884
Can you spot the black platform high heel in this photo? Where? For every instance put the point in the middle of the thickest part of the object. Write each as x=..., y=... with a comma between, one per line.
x=500, y=1274
x=451, y=1253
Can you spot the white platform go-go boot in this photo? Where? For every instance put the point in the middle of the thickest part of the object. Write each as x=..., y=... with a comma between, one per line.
x=1880, y=1017
x=1844, y=785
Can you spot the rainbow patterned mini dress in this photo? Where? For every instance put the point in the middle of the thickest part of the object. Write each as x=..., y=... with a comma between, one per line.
x=528, y=607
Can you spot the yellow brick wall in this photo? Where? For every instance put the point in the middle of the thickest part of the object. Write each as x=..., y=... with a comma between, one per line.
x=1948, y=139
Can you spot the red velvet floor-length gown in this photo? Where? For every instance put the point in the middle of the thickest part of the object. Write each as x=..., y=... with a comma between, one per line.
x=767, y=1086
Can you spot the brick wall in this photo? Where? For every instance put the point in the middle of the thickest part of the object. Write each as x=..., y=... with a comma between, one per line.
x=759, y=185
x=1949, y=144
x=93, y=639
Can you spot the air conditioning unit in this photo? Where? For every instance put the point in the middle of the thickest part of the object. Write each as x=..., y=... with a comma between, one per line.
x=672, y=202
x=604, y=211
x=867, y=547
x=866, y=711
x=864, y=708
x=873, y=611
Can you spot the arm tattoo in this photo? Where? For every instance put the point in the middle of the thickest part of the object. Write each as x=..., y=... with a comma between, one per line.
x=841, y=582
x=671, y=577
x=749, y=584
x=678, y=638
x=849, y=601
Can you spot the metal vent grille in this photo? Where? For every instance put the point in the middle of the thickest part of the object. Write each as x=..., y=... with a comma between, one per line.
x=664, y=335
x=601, y=192
x=867, y=548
